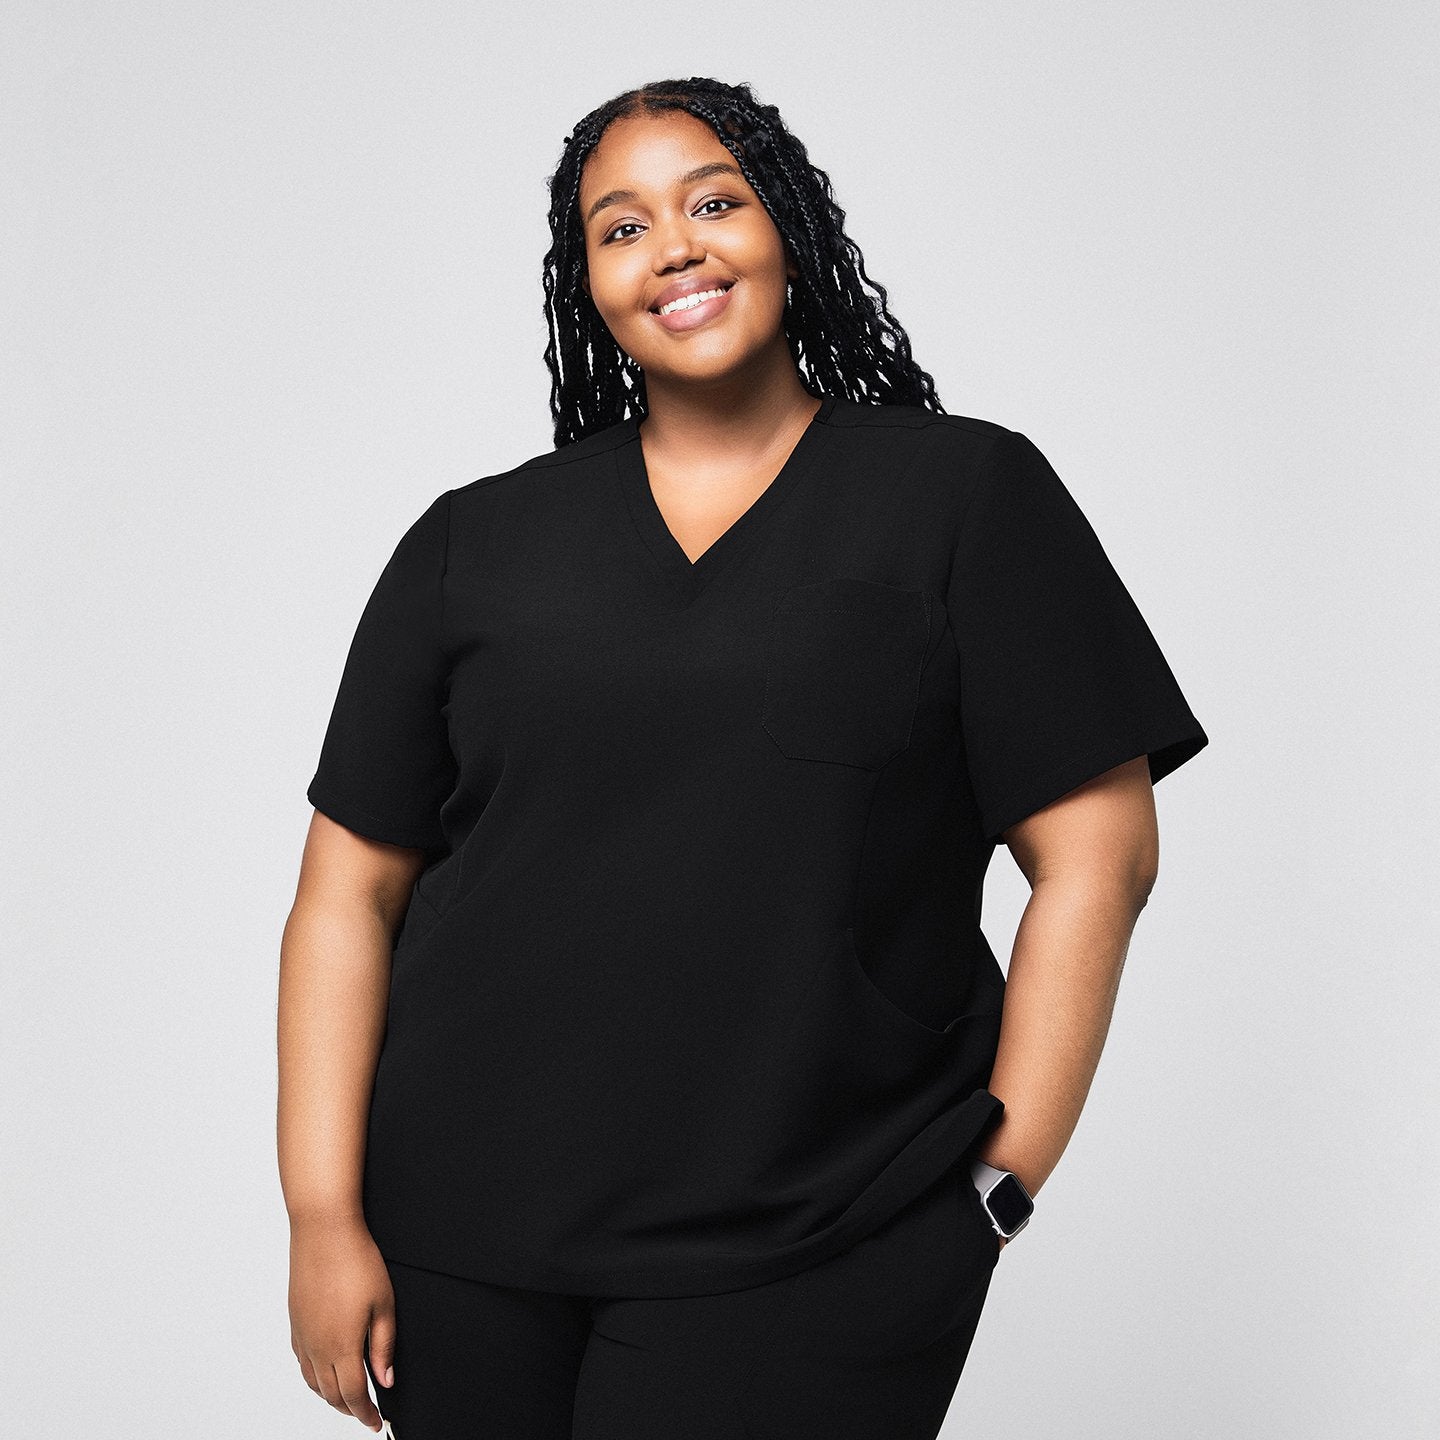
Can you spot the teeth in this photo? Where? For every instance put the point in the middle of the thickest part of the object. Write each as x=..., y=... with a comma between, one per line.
x=688, y=302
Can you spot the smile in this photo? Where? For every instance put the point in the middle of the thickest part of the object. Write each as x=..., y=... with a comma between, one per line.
x=690, y=312
x=688, y=302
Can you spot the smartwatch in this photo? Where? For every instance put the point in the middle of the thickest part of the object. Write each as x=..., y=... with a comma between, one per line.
x=1006, y=1200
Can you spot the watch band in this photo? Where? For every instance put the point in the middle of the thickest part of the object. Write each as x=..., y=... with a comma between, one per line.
x=987, y=1178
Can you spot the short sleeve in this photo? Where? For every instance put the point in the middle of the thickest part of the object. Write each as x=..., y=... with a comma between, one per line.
x=386, y=767
x=1061, y=678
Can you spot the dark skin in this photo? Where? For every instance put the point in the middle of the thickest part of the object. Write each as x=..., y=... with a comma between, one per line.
x=723, y=390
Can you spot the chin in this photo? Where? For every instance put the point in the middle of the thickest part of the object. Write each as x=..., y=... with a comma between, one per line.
x=721, y=370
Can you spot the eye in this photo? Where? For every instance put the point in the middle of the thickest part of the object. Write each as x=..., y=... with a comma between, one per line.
x=718, y=200
x=608, y=238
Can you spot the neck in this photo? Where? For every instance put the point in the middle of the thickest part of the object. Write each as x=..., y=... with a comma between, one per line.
x=734, y=415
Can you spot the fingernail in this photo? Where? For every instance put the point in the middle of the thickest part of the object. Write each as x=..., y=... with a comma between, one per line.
x=389, y=1375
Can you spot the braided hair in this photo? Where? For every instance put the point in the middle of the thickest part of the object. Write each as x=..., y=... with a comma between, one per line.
x=844, y=341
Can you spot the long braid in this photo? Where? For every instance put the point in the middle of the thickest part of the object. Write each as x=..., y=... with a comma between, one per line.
x=837, y=319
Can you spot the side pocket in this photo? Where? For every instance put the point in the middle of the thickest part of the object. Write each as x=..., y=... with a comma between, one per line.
x=987, y=1241
x=894, y=1013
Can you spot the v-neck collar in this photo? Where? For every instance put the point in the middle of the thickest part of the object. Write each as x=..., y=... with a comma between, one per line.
x=688, y=576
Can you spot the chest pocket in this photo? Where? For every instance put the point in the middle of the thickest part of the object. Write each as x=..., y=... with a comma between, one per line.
x=842, y=670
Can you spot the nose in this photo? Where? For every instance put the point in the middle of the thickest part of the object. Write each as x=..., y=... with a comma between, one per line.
x=677, y=243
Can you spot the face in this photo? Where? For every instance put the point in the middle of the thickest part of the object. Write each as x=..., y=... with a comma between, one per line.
x=665, y=209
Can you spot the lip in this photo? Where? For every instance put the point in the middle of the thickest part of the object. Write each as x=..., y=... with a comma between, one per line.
x=688, y=286
x=696, y=315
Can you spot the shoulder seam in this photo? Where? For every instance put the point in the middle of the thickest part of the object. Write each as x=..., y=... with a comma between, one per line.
x=546, y=460
x=884, y=417
x=482, y=481
x=563, y=455
x=972, y=423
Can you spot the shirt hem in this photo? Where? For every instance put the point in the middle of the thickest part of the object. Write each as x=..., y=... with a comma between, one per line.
x=936, y=1149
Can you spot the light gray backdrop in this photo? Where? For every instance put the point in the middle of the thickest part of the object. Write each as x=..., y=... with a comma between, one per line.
x=271, y=283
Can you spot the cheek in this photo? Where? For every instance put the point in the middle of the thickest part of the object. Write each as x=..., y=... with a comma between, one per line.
x=767, y=301
x=764, y=266
x=615, y=302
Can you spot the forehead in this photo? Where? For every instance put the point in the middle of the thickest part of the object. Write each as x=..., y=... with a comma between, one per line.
x=650, y=154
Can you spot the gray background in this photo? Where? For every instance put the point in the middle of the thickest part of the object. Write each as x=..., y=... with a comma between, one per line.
x=271, y=283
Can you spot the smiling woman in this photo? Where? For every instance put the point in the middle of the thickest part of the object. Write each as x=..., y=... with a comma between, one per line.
x=641, y=1050
x=686, y=185
x=684, y=264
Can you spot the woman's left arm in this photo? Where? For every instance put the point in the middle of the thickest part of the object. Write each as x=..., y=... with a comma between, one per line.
x=1091, y=859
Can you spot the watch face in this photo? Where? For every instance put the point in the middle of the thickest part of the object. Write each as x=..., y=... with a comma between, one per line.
x=1009, y=1203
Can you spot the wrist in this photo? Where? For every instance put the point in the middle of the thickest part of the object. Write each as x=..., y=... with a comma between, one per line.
x=1030, y=1176
x=1004, y=1197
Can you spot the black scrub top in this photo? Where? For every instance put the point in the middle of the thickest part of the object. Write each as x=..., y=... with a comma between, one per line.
x=692, y=993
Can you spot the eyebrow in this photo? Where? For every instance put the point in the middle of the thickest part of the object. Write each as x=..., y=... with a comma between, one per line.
x=690, y=177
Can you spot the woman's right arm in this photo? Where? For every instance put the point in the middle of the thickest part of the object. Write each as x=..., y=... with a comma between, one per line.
x=334, y=990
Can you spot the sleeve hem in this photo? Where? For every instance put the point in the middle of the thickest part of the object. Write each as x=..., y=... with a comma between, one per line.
x=344, y=811
x=1166, y=754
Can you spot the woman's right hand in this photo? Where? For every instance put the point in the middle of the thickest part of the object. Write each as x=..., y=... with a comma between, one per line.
x=339, y=1291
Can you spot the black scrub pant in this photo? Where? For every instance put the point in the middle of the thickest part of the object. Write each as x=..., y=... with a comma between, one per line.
x=868, y=1345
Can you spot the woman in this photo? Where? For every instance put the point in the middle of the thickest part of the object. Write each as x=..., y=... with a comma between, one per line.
x=670, y=763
